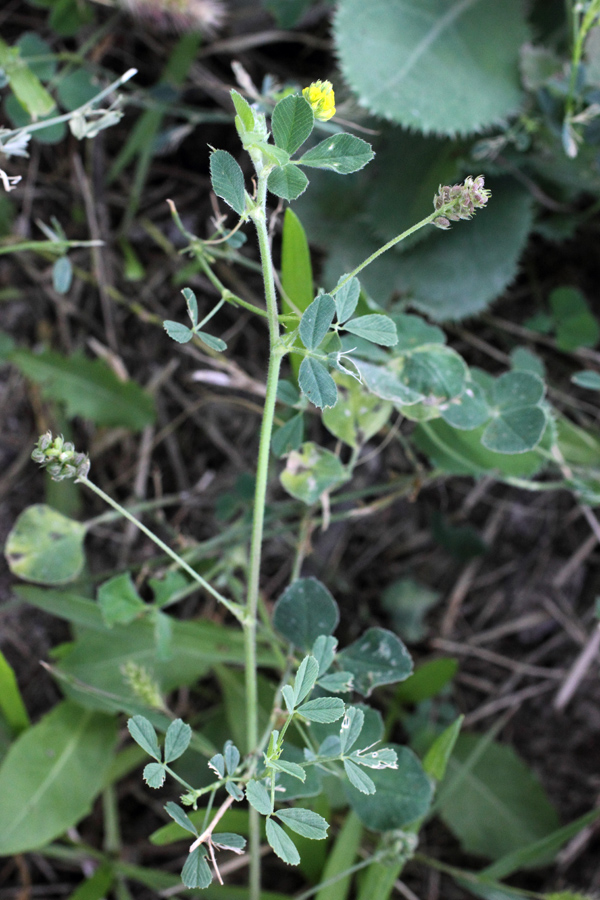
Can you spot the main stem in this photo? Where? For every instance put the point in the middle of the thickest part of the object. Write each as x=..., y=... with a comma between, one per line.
x=259, y=216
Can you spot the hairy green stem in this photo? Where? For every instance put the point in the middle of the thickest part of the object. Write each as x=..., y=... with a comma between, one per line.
x=259, y=217
x=400, y=237
x=234, y=608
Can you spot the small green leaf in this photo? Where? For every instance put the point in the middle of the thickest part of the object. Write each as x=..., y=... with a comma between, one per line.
x=359, y=779
x=51, y=776
x=402, y=795
x=323, y=709
x=287, y=182
x=306, y=677
x=282, y=845
x=436, y=758
x=211, y=341
x=287, y=692
x=244, y=110
x=228, y=180
x=290, y=768
x=316, y=321
x=518, y=421
x=587, y=379
x=234, y=791
x=217, y=764
x=88, y=388
x=180, y=817
x=289, y=436
x=385, y=758
x=358, y=415
x=292, y=122
x=384, y=382
x=576, y=326
x=232, y=757
x=351, y=728
x=177, y=740
x=346, y=298
x=258, y=797
x=225, y=840
x=310, y=471
x=62, y=275
x=143, y=733
x=154, y=775
x=342, y=153
x=375, y=328
x=196, y=872
x=119, y=601
x=192, y=304
x=38, y=55
x=11, y=703
x=178, y=332
x=469, y=410
x=305, y=822
x=44, y=546
x=507, y=806
x=26, y=86
x=304, y=611
x=377, y=657
x=316, y=383
x=324, y=651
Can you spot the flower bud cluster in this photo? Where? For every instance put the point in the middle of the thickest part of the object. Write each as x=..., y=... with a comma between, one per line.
x=321, y=97
x=59, y=458
x=460, y=201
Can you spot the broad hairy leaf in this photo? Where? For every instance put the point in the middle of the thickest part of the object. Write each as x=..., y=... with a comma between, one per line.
x=44, y=546
x=227, y=180
x=415, y=66
x=491, y=801
x=377, y=657
x=304, y=611
x=88, y=388
x=51, y=775
x=119, y=600
x=292, y=121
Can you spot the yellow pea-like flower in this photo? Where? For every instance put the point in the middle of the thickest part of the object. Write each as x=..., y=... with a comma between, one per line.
x=321, y=97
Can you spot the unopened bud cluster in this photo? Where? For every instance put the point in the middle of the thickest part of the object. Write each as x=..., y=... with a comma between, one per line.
x=460, y=201
x=59, y=458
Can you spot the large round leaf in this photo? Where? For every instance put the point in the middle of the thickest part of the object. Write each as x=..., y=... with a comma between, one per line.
x=45, y=547
x=430, y=65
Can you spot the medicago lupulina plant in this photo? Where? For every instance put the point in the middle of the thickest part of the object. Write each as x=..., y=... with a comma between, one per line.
x=315, y=729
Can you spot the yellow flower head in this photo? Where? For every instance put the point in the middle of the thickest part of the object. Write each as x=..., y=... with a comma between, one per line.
x=321, y=98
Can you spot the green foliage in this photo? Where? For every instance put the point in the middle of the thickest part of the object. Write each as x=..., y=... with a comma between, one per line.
x=88, y=388
x=304, y=611
x=45, y=547
x=436, y=57
x=402, y=795
x=227, y=180
x=11, y=703
x=51, y=776
x=575, y=324
x=312, y=470
x=491, y=801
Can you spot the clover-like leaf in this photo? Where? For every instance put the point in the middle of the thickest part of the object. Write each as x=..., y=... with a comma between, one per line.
x=177, y=740
x=227, y=180
x=143, y=733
